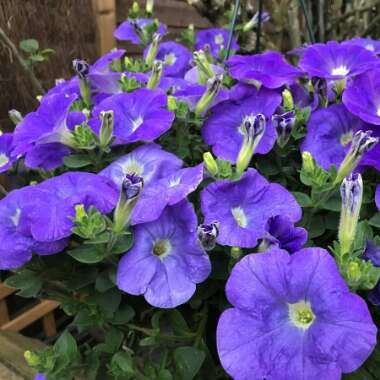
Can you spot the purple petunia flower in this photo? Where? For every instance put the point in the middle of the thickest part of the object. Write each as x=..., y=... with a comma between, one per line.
x=152, y=164
x=362, y=97
x=214, y=41
x=243, y=208
x=367, y=43
x=17, y=243
x=40, y=376
x=282, y=233
x=259, y=68
x=139, y=116
x=6, y=156
x=222, y=129
x=101, y=78
x=329, y=135
x=294, y=317
x=56, y=199
x=46, y=125
x=337, y=61
x=130, y=30
x=166, y=261
x=176, y=58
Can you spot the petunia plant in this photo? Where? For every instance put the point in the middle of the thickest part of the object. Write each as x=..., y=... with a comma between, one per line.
x=200, y=213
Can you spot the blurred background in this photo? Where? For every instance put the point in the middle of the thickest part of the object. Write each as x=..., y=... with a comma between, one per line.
x=68, y=29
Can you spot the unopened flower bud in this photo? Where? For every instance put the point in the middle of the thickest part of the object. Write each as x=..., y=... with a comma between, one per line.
x=80, y=212
x=139, y=31
x=253, y=129
x=155, y=76
x=287, y=100
x=149, y=6
x=308, y=163
x=284, y=124
x=207, y=235
x=153, y=49
x=210, y=163
x=362, y=142
x=213, y=86
x=32, y=358
x=82, y=68
x=131, y=189
x=252, y=23
x=106, y=129
x=204, y=68
x=351, y=192
x=135, y=7
x=172, y=103
x=353, y=273
x=15, y=116
x=132, y=185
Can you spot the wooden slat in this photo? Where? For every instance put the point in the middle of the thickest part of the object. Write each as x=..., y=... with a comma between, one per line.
x=105, y=12
x=4, y=315
x=30, y=316
x=5, y=291
x=48, y=321
x=171, y=12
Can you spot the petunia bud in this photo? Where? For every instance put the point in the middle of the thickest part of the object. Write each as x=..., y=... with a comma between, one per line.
x=172, y=103
x=131, y=189
x=213, y=86
x=106, y=129
x=204, y=68
x=362, y=142
x=155, y=76
x=351, y=192
x=308, y=163
x=207, y=235
x=32, y=358
x=153, y=49
x=82, y=68
x=149, y=6
x=354, y=272
x=287, y=100
x=210, y=164
x=284, y=124
x=253, y=129
x=252, y=23
x=15, y=116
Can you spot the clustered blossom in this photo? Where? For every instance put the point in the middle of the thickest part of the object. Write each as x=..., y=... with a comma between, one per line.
x=135, y=130
x=294, y=318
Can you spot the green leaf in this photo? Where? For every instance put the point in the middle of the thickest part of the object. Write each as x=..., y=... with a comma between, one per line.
x=76, y=161
x=188, y=361
x=109, y=301
x=37, y=58
x=334, y=203
x=124, y=315
x=113, y=340
x=316, y=227
x=123, y=244
x=28, y=282
x=103, y=282
x=164, y=374
x=177, y=322
x=66, y=346
x=302, y=199
x=29, y=45
x=88, y=254
x=123, y=362
x=375, y=220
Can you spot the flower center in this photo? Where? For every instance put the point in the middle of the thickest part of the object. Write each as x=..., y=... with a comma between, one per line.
x=377, y=113
x=170, y=59
x=132, y=167
x=219, y=40
x=162, y=248
x=3, y=159
x=174, y=181
x=137, y=122
x=16, y=217
x=240, y=217
x=346, y=138
x=340, y=71
x=370, y=47
x=301, y=314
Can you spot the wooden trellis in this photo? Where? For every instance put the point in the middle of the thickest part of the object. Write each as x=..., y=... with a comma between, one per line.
x=27, y=315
